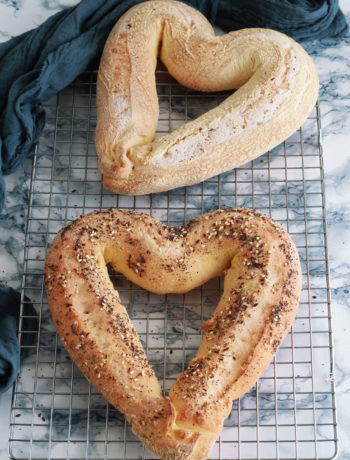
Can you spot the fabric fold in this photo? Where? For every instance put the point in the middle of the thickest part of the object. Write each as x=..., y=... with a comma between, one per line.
x=10, y=349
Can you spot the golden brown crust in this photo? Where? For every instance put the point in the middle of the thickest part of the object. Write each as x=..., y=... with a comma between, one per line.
x=261, y=294
x=277, y=81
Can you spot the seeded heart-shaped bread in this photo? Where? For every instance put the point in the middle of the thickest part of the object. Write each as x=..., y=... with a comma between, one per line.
x=260, y=298
x=277, y=87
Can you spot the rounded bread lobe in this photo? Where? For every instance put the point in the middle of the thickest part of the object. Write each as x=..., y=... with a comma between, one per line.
x=261, y=294
x=277, y=87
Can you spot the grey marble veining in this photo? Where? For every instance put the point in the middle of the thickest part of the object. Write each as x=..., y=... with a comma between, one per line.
x=18, y=16
x=333, y=62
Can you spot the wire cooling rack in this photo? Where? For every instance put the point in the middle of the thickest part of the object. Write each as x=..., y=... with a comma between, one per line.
x=290, y=412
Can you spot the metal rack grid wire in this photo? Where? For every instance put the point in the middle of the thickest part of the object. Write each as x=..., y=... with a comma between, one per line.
x=290, y=412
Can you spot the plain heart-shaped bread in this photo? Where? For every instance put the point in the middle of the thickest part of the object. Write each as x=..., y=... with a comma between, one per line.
x=261, y=294
x=277, y=81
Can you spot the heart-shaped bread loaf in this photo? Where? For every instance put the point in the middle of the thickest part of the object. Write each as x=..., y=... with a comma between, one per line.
x=261, y=294
x=277, y=81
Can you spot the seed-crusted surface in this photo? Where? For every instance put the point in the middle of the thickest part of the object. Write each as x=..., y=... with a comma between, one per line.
x=261, y=293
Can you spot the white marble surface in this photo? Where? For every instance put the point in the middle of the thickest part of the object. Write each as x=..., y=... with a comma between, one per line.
x=333, y=62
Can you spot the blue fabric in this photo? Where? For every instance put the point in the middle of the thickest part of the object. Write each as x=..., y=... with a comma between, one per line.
x=300, y=19
x=38, y=64
x=10, y=301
